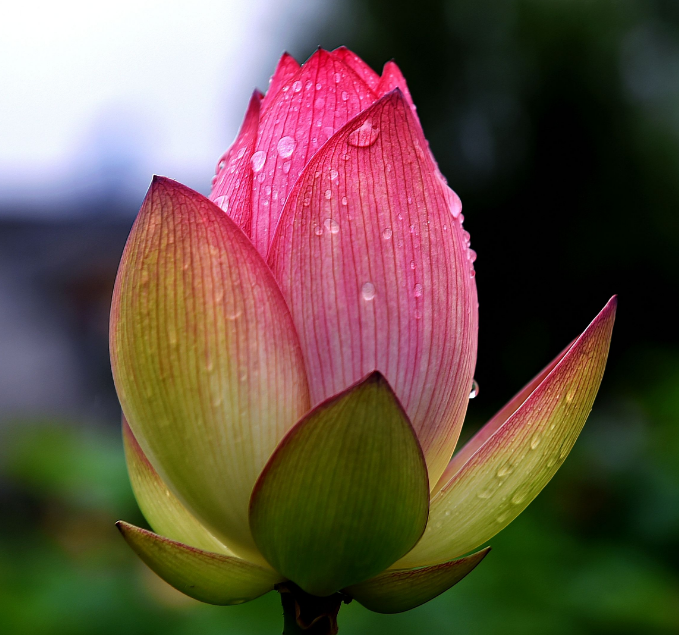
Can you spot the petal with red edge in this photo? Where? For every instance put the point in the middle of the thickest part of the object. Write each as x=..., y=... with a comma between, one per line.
x=374, y=263
x=205, y=358
x=345, y=494
x=392, y=77
x=160, y=506
x=306, y=111
x=287, y=67
x=400, y=590
x=470, y=448
x=209, y=577
x=510, y=469
x=356, y=64
x=232, y=184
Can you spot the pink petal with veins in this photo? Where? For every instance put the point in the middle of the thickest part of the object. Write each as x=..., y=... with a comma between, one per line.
x=374, y=264
x=308, y=109
x=393, y=78
x=287, y=67
x=232, y=183
x=356, y=64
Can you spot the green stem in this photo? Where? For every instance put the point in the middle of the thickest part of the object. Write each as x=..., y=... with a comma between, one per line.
x=306, y=614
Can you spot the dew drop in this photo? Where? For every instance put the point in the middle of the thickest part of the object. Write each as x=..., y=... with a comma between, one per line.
x=368, y=291
x=518, y=498
x=386, y=234
x=223, y=202
x=297, y=86
x=258, y=160
x=570, y=395
x=412, y=264
x=535, y=441
x=221, y=166
x=344, y=200
x=286, y=167
x=319, y=103
x=364, y=136
x=471, y=255
x=331, y=225
x=319, y=86
x=418, y=290
x=318, y=231
x=333, y=175
x=485, y=493
x=502, y=517
x=475, y=389
x=345, y=95
x=286, y=146
x=338, y=78
x=328, y=194
x=260, y=177
x=505, y=470
x=563, y=454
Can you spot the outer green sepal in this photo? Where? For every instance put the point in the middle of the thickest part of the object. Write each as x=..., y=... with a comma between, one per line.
x=400, y=590
x=346, y=492
x=205, y=576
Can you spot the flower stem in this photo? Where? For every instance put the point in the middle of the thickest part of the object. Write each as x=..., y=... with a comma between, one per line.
x=306, y=614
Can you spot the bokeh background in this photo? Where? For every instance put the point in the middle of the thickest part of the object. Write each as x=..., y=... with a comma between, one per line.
x=558, y=125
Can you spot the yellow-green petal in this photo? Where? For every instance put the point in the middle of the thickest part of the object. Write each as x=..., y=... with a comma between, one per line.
x=209, y=577
x=160, y=506
x=205, y=357
x=512, y=466
x=400, y=590
x=345, y=494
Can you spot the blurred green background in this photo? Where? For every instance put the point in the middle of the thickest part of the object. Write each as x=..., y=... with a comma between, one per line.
x=557, y=122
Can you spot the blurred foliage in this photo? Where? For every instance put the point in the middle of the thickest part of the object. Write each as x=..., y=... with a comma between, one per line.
x=558, y=124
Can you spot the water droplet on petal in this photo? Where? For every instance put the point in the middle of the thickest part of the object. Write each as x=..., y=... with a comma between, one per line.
x=535, y=441
x=258, y=160
x=328, y=194
x=386, y=234
x=344, y=200
x=471, y=254
x=418, y=290
x=518, y=498
x=286, y=167
x=485, y=493
x=318, y=231
x=297, y=86
x=223, y=202
x=412, y=264
x=364, y=136
x=345, y=95
x=505, y=470
x=475, y=389
x=338, y=78
x=333, y=174
x=286, y=146
x=331, y=225
x=368, y=291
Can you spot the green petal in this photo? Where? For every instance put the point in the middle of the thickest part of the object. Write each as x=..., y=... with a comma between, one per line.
x=208, y=577
x=346, y=492
x=205, y=357
x=400, y=590
x=512, y=466
x=160, y=506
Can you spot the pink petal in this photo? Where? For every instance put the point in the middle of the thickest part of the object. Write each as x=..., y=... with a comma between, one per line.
x=356, y=64
x=308, y=110
x=500, y=417
x=374, y=264
x=393, y=78
x=232, y=183
x=287, y=67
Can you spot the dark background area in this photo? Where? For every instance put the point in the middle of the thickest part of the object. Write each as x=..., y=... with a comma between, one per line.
x=557, y=123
